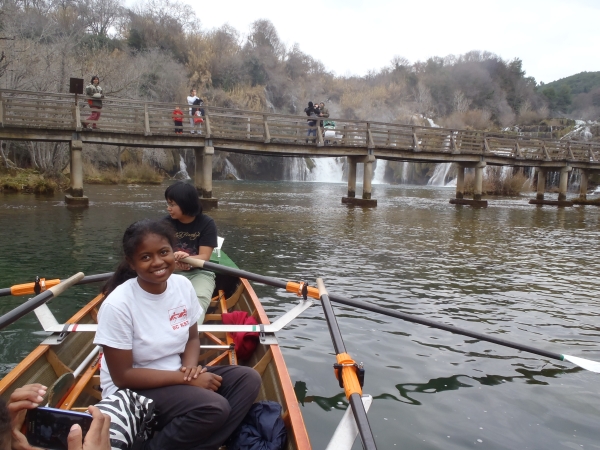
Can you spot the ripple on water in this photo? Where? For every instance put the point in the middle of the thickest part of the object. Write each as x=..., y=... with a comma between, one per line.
x=511, y=270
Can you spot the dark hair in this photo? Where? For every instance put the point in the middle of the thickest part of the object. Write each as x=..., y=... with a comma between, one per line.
x=186, y=197
x=134, y=235
x=94, y=78
x=4, y=421
x=310, y=104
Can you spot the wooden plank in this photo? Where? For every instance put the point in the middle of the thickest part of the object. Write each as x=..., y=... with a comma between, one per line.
x=83, y=381
x=59, y=367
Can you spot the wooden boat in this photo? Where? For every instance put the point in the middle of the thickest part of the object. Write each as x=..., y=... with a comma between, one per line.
x=74, y=353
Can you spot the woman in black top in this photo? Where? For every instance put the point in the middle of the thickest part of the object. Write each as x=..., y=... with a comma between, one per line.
x=196, y=237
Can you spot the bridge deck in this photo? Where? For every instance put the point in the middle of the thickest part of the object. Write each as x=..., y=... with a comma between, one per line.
x=59, y=117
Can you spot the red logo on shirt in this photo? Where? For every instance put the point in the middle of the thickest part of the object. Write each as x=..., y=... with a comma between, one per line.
x=178, y=317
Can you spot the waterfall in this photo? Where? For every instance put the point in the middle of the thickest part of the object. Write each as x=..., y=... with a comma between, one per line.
x=182, y=174
x=379, y=172
x=295, y=169
x=230, y=171
x=404, y=178
x=439, y=175
x=506, y=172
x=574, y=180
x=327, y=170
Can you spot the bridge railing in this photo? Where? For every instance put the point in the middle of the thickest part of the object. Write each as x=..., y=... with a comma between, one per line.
x=31, y=110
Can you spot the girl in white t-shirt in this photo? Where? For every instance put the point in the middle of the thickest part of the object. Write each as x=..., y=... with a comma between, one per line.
x=147, y=328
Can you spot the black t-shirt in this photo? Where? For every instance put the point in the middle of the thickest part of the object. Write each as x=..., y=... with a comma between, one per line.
x=201, y=232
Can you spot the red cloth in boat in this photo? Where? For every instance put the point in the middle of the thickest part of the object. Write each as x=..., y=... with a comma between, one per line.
x=245, y=343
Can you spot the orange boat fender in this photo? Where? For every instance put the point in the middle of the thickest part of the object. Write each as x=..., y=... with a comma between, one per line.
x=30, y=288
x=302, y=289
x=350, y=375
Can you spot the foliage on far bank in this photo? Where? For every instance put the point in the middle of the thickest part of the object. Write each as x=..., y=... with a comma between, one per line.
x=29, y=181
x=130, y=174
x=495, y=183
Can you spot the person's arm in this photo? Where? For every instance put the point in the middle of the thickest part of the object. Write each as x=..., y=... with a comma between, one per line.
x=189, y=357
x=27, y=397
x=203, y=253
x=125, y=376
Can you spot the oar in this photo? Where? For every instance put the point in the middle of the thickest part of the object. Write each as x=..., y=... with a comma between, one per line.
x=291, y=286
x=347, y=372
x=43, y=284
x=38, y=300
x=65, y=383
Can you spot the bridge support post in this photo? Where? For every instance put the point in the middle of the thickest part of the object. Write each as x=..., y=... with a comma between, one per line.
x=203, y=175
x=75, y=196
x=366, y=199
x=460, y=181
x=541, y=183
x=562, y=188
x=583, y=185
x=477, y=188
x=367, y=178
x=563, y=183
x=351, y=176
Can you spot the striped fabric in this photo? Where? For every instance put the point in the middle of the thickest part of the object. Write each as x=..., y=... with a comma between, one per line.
x=131, y=419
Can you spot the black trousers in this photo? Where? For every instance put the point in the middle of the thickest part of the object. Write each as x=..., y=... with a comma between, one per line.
x=193, y=418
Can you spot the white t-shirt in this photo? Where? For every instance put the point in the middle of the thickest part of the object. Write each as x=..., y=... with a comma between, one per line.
x=191, y=99
x=154, y=327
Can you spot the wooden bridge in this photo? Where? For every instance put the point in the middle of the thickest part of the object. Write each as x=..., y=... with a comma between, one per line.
x=32, y=116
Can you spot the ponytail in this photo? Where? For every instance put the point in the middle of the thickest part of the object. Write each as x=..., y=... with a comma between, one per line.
x=123, y=273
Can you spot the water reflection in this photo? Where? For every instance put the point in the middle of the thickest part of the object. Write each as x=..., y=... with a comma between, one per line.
x=527, y=273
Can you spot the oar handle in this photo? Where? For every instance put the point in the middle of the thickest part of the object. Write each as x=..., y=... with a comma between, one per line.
x=29, y=288
x=38, y=300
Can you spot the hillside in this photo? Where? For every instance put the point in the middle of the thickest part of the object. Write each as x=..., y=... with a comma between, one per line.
x=583, y=82
x=577, y=96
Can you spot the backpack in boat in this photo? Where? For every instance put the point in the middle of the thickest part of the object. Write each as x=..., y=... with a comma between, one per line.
x=262, y=429
x=132, y=419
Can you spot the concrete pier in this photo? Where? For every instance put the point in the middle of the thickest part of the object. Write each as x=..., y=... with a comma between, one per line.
x=563, y=182
x=75, y=196
x=366, y=199
x=477, y=188
x=562, y=188
x=460, y=181
x=351, y=176
x=583, y=185
x=203, y=176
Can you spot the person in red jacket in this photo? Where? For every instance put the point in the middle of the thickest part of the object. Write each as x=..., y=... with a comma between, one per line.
x=178, y=120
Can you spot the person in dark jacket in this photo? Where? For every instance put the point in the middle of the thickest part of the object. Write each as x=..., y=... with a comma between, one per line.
x=311, y=112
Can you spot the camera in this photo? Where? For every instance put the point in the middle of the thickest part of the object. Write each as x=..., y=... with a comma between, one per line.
x=49, y=427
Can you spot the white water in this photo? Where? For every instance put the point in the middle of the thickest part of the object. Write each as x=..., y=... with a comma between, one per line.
x=182, y=174
x=231, y=170
x=439, y=175
x=404, y=172
x=326, y=170
x=379, y=172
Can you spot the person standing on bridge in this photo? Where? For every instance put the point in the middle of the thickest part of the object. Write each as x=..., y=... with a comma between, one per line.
x=95, y=94
x=311, y=112
x=191, y=99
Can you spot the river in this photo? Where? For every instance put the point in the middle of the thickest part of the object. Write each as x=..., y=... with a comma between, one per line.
x=523, y=273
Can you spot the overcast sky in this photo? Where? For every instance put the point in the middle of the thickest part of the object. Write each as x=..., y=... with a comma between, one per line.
x=553, y=38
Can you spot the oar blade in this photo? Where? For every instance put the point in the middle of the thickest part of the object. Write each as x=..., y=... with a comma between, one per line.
x=59, y=390
x=587, y=364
